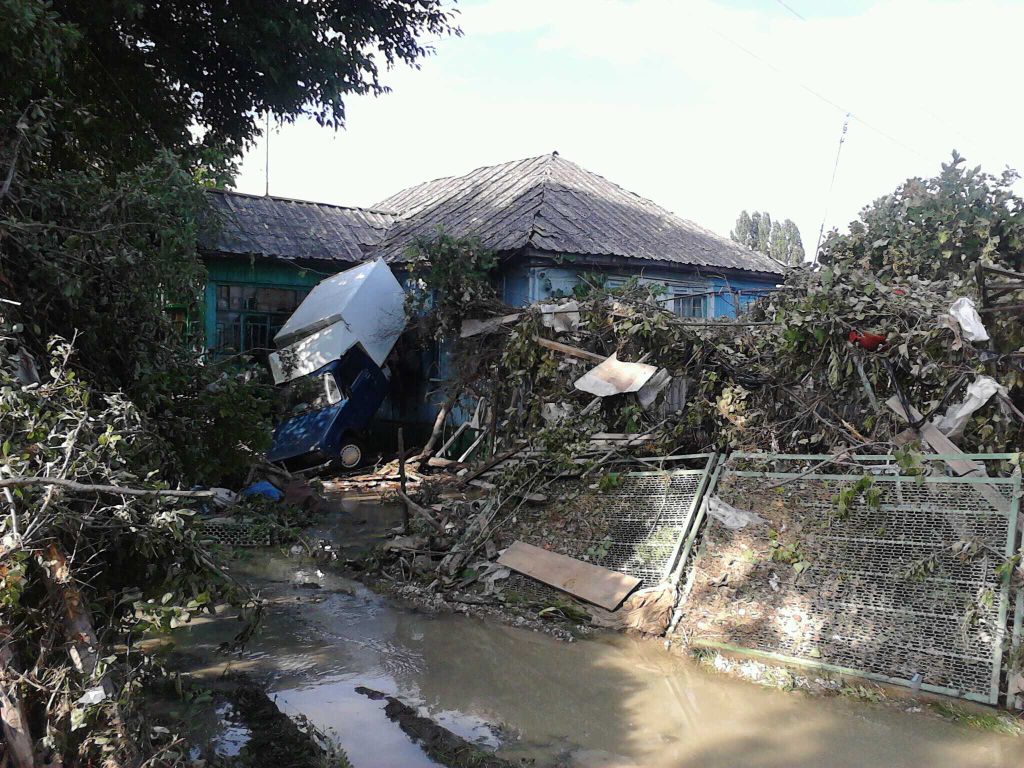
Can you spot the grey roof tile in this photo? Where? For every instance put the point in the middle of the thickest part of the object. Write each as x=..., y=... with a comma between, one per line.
x=552, y=205
x=278, y=227
x=546, y=203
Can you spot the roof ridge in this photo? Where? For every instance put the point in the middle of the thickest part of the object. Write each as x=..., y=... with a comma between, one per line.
x=300, y=201
x=549, y=161
x=639, y=197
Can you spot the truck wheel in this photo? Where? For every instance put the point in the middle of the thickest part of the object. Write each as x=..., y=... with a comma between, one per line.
x=351, y=454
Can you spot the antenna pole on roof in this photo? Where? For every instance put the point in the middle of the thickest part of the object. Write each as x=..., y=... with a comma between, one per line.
x=266, y=159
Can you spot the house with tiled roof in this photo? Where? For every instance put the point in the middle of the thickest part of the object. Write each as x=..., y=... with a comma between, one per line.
x=549, y=220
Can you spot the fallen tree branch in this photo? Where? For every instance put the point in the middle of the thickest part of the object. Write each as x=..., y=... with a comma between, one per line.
x=420, y=511
x=72, y=485
x=12, y=711
x=85, y=645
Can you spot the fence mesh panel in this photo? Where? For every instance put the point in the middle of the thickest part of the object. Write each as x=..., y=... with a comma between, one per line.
x=634, y=528
x=898, y=579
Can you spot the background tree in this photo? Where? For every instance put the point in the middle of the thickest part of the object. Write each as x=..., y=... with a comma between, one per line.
x=779, y=239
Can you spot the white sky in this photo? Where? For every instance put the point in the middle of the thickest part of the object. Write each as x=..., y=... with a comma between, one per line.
x=704, y=107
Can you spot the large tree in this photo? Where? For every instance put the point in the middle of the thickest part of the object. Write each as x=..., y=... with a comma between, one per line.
x=127, y=77
x=108, y=107
x=778, y=239
x=111, y=113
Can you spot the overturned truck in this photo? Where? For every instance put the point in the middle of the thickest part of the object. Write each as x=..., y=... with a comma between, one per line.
x=331, y=354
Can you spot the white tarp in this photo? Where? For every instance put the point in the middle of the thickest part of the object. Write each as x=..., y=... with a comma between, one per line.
x=981, y=390
x=965, y=313
x=728, y=515
x=613, y=377
x=363, y=306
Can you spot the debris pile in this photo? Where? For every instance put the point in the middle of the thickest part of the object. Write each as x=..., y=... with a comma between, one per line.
x=573, y=397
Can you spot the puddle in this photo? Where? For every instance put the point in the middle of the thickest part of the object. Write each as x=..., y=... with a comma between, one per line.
x=609, y=701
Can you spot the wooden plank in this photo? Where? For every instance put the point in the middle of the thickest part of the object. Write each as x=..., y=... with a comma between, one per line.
x=939, y=443
x=537, y=498
x=490, y=325
x=448, y=443
x=565, y=349
x=936, y=440
x=473, y=447
x=437, y=461
x=493, y=462
x=588, y=582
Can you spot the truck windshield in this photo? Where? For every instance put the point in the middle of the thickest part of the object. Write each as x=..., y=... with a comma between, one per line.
x=314, y=393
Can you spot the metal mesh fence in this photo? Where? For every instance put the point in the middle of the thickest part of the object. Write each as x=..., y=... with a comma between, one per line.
x=235, y=533
x=896, y=577
x=635, y=528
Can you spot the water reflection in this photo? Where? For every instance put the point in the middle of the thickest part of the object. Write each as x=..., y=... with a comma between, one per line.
x=612, y=701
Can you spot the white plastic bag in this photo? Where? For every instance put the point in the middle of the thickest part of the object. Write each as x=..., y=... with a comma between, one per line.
x=980, y=391
x=729, y=516
x=562, y=318
x=964, y=312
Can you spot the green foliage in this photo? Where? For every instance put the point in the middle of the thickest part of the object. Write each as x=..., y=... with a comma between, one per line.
x=455, y=277
x=936, y=228
x=599, y=551
x=779, y=239
x=787, y=552
x=609, y=481
x=986, y=721
x=870, y=693
x=114, y=115
x=849, y=494
x=134, y=77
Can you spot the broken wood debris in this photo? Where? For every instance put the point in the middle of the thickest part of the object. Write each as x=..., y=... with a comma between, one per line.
x=566, y=349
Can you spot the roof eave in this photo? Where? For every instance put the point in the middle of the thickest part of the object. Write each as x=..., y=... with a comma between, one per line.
x=633, y=262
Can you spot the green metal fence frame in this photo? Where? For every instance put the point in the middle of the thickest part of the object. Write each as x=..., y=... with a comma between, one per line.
x=1012, y=513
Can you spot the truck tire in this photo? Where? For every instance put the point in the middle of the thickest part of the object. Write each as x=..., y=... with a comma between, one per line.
x=351, y=454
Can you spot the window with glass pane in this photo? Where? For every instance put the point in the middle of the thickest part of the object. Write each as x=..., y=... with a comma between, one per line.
x=249, y=316
x=687, y=305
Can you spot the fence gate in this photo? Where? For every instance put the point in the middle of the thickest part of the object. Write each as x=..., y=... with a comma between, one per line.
x=862, y=570
x=637, y=528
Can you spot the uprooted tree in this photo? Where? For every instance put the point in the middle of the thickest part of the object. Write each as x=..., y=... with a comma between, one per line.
x=112, y=118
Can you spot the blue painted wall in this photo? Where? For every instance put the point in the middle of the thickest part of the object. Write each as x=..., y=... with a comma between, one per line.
x=523, y=285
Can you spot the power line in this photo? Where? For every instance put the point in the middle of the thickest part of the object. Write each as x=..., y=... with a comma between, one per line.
x=929, y=112
x=788, y=8
x=828, y=197
x=818, y=95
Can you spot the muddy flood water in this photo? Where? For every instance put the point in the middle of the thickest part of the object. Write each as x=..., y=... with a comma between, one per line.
x=606, y=701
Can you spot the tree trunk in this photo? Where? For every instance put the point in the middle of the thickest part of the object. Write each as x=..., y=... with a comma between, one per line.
x=435, y=435
x=85, y=645
x=12, y=713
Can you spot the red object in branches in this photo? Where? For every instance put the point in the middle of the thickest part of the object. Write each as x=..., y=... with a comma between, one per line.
x=868, y=341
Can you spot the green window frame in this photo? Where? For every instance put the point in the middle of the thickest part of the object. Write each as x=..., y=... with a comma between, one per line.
x=248, y=316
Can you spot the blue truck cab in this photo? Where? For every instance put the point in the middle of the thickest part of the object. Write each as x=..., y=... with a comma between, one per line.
x=333, y=407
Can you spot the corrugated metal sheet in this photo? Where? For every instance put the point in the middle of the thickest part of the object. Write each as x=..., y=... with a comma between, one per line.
x=551, y=204
x=292, y=229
